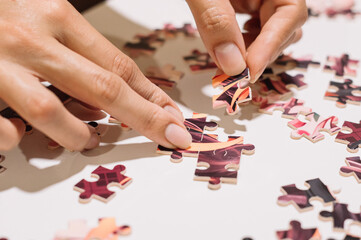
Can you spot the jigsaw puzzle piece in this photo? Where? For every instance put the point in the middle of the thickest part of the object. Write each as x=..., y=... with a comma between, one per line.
x=77, y=230
x=342, y=66
x=296, y=232
x=290, y=109
x=199, y=61
x=145, y=45
x=288, y=62
x=352, y=139
x=339, y=215
x=301, y=198
x=311, y=130
x=165, y=77
x=232, y=93
x=99, y=189
x=221, y=160
x=170, y=31
x=343, y=93
x=107, y=229
x=2, y=158
x=353, y=168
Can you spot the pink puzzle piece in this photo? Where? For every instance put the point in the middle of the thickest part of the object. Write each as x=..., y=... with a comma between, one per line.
x=311, y=130
x=351, y=138
x=290, y=109
x=165, y=77
x=296, y=232
x=108, y=230
x=342, y=65
x=170, y=31
x=145, y=45
x=353, y=168
x=200, y=61
x=99, y=189
x=301, y=63
x=2, y=169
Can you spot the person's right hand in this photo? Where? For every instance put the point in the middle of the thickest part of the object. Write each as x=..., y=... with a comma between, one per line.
x=48, y=40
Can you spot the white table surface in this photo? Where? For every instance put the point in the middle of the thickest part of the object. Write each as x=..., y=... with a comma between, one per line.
x=164, y=202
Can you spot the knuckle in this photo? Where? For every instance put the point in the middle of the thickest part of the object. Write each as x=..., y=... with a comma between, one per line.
x=215, y=19
x=124, y=67
x=151, y=119
x=56, y=10
x=41, y=109
x=107, y=87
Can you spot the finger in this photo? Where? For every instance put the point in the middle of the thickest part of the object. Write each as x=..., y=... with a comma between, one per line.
x=218, y=27
x=103, y=89
x=279, y=20
x=43, y=109
x=296, y=36
x=79, y=36
x=11, y=132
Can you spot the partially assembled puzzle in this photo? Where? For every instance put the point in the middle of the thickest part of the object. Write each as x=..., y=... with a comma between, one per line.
x=218, y=162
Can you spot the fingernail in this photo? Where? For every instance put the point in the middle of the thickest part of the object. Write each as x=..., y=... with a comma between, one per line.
x=178, y=136
x=93, y=141
x=174, y=112
x=257, y=75
x=230, y=58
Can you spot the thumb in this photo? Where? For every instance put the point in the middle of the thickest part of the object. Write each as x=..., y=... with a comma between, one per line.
x=218, y=27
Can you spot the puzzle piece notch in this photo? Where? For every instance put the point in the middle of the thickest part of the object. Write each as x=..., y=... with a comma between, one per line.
x=2, y=158
x=199, y=61
x=288, y=62
x=296, y=232
x=343, y=93
x=352, y=139
x=233, y=92
x=165, y=77
x=77, y=230
x=342, y=65
x=107, y=229
x=353, y=168
x=99, y=189
x=311, y=130
x=143, y=45
x=301, y=198
x=290, y=109
x=195, y=126
x=339, y=215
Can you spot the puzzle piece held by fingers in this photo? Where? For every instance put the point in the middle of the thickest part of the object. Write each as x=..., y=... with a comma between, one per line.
x=342, y=66
x=99, y=189
x=233, y=93
x=290, y=109
x=311, y=130
x=107, y=229
x=352, y=139
x=165, y=77
x=145, y=45
x=2, y=158
x=301, y=198
x=343, y=93
x=353, y=168
x=296, y=232
x=199, y=61
x=339, y=215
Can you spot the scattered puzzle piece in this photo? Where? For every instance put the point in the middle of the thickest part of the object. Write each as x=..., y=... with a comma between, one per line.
x=311, y=130
x=233, y=93
x=352, y=139
x=165, y=77
x=301, y=198
x=290, y=109
x=339, y=215
x=301, y=63
x=99, y=189
x=296, y=232
x=77, y=230
x=107, y=229
x=199, y=61
x=2, y=158
x=170, y=31
x=347, y=237
x=282, y=83
x=341, y=66
x=145, y=45
x=343, y=93
x=353, y=168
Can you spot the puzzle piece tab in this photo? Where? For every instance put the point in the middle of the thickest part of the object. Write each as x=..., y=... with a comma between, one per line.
x=107, y=229
x=296, y=232
x=290, y=109
x=342, y=66
x=301, y=198
x=311, y=130
x=2, y=158
x=99, y=189
x=165, y=77
x=199, y=61
x=232, y=92
x=343, y=93
x=340, y=214
x=353, y=168
x=352, y=139
x=145, y=45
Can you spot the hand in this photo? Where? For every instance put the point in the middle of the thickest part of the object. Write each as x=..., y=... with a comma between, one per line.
x=48, y=40
x=274, y=25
